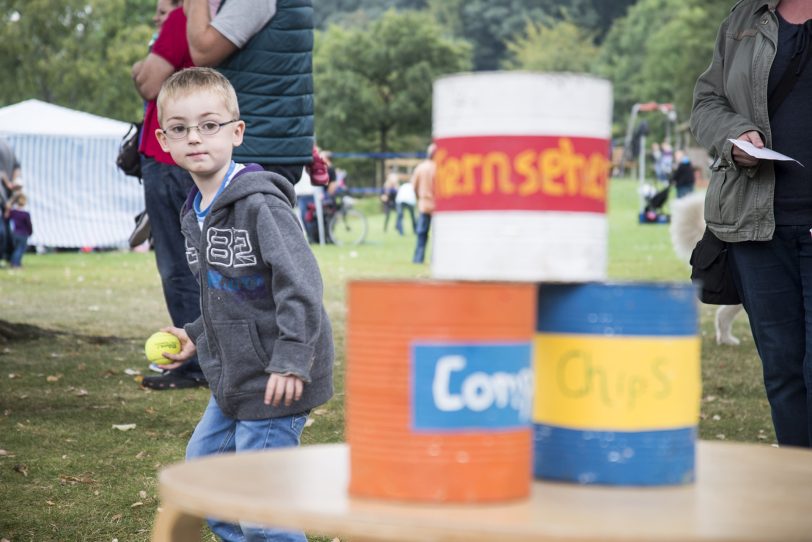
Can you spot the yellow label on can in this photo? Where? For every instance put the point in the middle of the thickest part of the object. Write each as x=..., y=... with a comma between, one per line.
x=616, y=383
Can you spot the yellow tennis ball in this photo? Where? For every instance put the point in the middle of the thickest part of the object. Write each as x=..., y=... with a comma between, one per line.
x=157, y=344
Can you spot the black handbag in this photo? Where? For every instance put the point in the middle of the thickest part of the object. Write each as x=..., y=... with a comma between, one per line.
x=710, y=272
x=129, y=159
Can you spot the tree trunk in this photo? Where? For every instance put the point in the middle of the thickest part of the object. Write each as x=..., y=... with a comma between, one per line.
x=384, y=148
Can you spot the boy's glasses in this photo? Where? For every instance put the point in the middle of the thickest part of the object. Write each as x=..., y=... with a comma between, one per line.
x=207, y=128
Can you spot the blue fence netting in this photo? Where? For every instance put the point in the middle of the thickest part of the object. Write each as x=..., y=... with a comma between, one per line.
x=378, y=155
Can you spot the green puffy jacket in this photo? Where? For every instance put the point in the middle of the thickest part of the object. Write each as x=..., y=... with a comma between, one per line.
x=273, y=77
x=730, y=98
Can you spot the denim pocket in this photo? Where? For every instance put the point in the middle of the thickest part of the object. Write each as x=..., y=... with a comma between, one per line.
x=298, y=422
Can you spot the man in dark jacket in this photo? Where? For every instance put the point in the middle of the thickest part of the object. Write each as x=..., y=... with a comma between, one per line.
x=683, y=176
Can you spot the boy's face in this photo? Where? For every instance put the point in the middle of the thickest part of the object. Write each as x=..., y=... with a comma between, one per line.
x=201, y=155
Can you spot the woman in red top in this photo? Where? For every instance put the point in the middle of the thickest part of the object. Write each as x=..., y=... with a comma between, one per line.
x=166, y=186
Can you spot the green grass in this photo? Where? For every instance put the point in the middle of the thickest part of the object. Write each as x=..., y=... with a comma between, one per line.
x=67, y=475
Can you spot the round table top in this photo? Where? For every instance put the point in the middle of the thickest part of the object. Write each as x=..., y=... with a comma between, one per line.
x=742, y=492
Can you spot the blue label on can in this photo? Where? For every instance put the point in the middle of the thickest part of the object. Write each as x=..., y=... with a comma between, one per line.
x=464, y=386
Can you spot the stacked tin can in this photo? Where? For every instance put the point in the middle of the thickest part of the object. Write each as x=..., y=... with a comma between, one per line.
x=441, y=374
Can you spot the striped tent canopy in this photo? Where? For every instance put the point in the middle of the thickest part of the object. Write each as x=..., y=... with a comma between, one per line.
x=76, y=195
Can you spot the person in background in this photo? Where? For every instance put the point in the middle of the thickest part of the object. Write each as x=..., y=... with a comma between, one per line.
x=388, y=195
x=683, y=176
x=423, y=182
x=656, y=161
x=757, y=90
x=162, y=10
x=305, y=200
x=166, y=186
x=327, y=158
x=9, y=181
x=665, y=164
x=265, y=48
x=264, y=338
x=405, y=200
x=20, y=226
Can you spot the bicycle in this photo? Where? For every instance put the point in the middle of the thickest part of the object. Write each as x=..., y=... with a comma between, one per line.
x=346, y=225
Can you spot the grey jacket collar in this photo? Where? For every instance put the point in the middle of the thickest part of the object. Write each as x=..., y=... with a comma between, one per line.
x=768, y=4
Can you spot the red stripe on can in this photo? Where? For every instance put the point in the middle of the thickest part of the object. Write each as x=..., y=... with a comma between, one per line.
x=522, y=173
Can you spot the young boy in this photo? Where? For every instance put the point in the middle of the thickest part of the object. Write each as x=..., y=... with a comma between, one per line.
x=20, y=226
x=263, y=339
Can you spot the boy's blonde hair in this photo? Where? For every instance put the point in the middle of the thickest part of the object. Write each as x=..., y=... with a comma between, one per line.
x=193, y=80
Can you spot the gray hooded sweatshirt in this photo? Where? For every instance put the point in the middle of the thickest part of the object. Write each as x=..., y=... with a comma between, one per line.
x=260, y=297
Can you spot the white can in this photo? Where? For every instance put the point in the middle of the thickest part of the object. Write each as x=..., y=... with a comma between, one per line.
x=522, y=175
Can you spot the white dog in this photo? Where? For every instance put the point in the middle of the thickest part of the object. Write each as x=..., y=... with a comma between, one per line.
x=687, y=227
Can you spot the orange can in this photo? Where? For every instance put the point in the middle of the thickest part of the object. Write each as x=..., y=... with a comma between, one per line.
x=439, y=390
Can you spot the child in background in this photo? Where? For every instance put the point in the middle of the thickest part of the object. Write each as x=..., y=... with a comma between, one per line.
x=388, y=195
x=264, y=340
x=20, y=226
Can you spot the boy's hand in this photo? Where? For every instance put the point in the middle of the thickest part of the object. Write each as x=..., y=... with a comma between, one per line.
x=283, y=387
x=187, y=349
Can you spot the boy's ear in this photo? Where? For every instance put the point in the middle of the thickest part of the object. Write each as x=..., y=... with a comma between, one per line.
x=161, y=137
x=238, y=133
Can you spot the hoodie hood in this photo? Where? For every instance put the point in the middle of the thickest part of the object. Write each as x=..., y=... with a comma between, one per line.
x=252, y=179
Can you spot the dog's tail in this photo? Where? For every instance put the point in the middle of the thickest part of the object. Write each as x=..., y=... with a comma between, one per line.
x=687, y=224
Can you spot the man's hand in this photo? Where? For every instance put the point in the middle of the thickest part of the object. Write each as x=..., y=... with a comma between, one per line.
x=187, y=349
x=287, y=388
x=136, y=69
x=149, y=74
x=742, y=158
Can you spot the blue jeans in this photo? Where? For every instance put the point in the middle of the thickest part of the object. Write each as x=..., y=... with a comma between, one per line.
x=5, y=237
x=303, y=201
x=216, y=433
x=18, y=244
x=387, y=211
x=775, y=284
x=400, y=207
x=165, y=190
x=684, y=190
x=423, y=226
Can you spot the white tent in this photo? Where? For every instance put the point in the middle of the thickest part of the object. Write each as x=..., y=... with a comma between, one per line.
x=76, y=195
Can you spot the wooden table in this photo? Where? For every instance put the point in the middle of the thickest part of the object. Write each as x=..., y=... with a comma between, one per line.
x=743, y=492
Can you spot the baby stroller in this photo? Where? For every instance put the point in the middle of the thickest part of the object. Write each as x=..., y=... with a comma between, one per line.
x=653, y=202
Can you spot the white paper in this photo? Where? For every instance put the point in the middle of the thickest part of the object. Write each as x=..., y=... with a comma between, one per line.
x=765, y=153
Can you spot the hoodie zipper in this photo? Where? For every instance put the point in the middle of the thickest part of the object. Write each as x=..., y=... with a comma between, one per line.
x=204, y=312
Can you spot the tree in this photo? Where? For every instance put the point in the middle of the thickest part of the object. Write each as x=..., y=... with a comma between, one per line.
x=558, y=46
x=657, y=51
x=624, y=51
x=356, y=13
x=75, y=53
x=490, y=24
x=680, y=51
x=374, y=86
x=603, y=15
